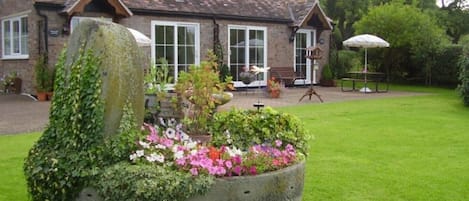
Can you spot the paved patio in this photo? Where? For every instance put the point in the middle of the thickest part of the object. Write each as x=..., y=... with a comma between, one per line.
x=20, y=114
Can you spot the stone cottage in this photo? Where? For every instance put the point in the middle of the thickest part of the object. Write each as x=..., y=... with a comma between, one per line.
x=263, y=33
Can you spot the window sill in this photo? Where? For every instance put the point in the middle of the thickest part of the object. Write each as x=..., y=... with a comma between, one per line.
x=24, y=57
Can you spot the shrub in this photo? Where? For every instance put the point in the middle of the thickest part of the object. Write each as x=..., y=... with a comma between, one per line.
x=244, y=128
x=347, y=61
x=125, y=181
x=445, y=70
x=463, y=87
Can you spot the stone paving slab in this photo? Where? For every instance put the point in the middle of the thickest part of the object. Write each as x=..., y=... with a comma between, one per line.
x=21, y=114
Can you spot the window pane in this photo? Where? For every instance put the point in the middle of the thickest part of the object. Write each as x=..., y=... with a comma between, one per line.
x=16, y=37
x=160, y=52
x=182, y=55
x=190, y=52
x=190, y=35
x=24, y=35
x=7, y=37
x=169, y=33
x=170, y=54
x=159, y=35
x=181, y=35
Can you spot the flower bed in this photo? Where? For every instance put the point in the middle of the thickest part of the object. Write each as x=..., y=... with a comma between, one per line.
x=169, y=165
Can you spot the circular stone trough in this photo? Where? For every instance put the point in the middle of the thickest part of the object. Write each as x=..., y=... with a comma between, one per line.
x=281, y=185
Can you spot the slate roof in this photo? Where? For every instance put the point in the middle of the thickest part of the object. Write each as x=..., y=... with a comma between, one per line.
x=293, y=11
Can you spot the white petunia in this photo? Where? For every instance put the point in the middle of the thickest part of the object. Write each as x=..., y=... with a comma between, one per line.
x=155, y=157
x=170, y=133
x=140, y=153
x=160, y=146
x=234, y=151
x=133, y=157
x=178, y=154
x=191, y=145
x=144, y=144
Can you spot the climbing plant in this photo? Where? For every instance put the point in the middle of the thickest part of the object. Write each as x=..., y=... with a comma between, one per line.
x=73, y=149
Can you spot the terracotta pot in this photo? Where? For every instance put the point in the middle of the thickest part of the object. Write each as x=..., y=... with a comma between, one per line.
x=50, y=95
x=41, y=96
x=275, y=93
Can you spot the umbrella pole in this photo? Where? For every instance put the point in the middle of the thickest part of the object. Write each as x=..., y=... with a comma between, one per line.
x=366, y=69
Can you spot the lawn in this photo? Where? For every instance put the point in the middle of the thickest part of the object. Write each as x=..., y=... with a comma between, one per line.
x=407, y=148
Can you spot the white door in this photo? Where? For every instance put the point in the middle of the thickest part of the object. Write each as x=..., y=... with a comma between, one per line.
x=304, y=39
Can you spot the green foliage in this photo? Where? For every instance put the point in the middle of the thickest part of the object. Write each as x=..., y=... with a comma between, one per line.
x=44, y=75
x=157, y=78
x=198, y=86
x=346, y=61
x=125, y=181
x=445, y=71
x=463, y=87
x=414, y=36
x=244, y=128
x=326, y=73
x=73, y=149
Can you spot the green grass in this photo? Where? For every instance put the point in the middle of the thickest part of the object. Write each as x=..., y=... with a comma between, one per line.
x=13, y=150
x=407, y=148
x=411, y=148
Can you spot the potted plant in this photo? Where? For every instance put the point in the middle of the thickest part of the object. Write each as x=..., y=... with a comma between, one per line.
x=11, y=83
x=327, y=79
x=158, y=101
x=202, y=88
x=273, y=87
x=44, y=81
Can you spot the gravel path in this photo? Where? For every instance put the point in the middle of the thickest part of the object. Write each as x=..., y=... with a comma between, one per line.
x=21, y=114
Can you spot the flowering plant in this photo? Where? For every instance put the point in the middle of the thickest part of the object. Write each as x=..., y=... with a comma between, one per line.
x=173, y=148
x=273, y=84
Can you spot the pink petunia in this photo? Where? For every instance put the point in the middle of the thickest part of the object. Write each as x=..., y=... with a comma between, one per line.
x=253, y=170
x=194, y=171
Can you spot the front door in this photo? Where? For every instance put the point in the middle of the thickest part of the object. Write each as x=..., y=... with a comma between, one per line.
x=304, y=39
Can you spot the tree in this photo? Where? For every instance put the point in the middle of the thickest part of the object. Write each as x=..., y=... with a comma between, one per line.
x=414, y=37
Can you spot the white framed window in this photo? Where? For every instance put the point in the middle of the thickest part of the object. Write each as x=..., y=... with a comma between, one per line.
x=304, y=38
x=15, y=38
x=75, y=21
x=247, y=46
x=178, y=43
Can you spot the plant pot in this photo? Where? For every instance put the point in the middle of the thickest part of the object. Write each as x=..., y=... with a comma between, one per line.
x=275, y=93
x=50, y=95
x=280, y=185
x=41, y=96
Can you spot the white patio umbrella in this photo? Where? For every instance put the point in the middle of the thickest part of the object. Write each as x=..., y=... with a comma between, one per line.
x=365, y=41
x=141, y=39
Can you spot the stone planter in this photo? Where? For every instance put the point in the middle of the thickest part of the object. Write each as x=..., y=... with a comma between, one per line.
x=281, y=185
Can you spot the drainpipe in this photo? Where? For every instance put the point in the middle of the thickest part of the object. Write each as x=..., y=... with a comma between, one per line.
x=46, y=38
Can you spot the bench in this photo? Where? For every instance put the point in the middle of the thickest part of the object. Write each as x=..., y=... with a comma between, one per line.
x=286, y=75
x=372, y=78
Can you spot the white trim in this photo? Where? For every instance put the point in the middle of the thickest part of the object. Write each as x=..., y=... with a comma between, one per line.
x=310, y=71
x=13, y=55
x=176, y=24
x=246, y=56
